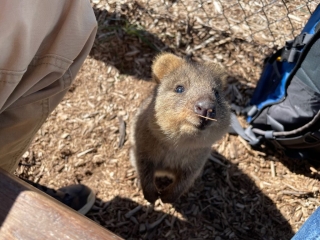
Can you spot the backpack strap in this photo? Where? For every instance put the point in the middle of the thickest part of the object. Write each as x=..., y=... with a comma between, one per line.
x=246, y=134
x=281, y=140
x=292, y=49
x=299, y=140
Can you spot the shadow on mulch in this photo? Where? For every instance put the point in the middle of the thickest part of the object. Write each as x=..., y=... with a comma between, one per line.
x=131, y=49
x=294, y=164
x=125, y=45
x=224, y=200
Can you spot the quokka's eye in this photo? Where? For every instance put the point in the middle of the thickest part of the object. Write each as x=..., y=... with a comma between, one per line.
x=179, y=89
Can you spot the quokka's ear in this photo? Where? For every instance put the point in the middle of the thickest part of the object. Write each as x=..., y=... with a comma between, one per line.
x=164, y=64
x=218, y=71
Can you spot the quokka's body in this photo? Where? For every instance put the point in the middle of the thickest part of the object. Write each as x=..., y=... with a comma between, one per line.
x=175, y=127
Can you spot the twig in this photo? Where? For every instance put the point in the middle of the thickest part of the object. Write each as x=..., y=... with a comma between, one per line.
x=212, y=119
x=209, y=40
x=131, y=177
x=122, y=131
x=216, y=160
x=273, y=170
x=229, y=182
x=295, y=193
x=247, y=146
x=313, y=170
x=133, y=211
x=292, y=187
x=156, y=223
x=85, y=152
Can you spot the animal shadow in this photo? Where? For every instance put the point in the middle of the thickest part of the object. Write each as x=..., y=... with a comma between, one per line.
x=223, y=204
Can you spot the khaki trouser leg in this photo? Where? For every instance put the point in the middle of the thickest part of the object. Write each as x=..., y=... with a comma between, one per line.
x=43, y=43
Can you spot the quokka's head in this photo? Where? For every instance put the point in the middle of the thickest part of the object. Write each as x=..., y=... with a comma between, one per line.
x=190, y=100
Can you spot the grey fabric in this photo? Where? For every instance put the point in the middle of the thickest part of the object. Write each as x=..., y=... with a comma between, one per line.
x=300, y=106
x=309, y=72
x=303, y=97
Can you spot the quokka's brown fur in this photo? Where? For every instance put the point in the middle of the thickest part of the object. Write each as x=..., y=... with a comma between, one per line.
x=168, y=138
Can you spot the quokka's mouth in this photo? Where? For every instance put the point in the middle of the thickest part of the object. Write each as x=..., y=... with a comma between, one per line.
x=204, y=122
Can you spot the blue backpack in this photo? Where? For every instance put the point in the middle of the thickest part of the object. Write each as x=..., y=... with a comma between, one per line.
x=285, y=106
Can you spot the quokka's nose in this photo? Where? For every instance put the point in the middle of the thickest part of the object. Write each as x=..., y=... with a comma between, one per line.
x=205, y=107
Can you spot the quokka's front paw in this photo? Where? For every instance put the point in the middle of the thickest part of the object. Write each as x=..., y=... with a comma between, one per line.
x=150, y=193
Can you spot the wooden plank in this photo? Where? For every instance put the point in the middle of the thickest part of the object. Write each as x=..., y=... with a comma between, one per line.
x=27, y=213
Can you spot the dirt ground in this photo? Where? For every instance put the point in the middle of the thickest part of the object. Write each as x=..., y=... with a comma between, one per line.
x=242, y=193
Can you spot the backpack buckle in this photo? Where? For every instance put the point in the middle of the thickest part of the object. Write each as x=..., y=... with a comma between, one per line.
x=302, y=40
x=289, y=55
x=291, y=51
x=312, y=137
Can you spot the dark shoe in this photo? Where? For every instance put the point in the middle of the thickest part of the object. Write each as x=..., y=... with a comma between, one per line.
x=78, y=197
